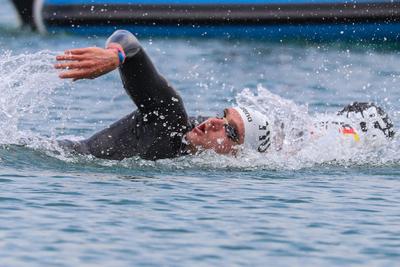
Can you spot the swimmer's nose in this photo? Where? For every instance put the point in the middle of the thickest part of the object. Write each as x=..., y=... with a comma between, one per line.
x=215, y=124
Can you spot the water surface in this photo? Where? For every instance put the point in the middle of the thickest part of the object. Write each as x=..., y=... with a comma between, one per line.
x=320, y=207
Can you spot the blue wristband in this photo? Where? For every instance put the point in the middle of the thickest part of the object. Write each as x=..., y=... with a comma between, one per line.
x=121, y=57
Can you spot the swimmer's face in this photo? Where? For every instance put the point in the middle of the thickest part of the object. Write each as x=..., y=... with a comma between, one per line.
x=218, y=133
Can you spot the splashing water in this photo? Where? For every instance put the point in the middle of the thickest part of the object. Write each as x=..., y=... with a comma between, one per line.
x=27, y=83
x=300, y=141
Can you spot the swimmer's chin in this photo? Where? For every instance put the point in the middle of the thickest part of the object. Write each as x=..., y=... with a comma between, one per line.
x=198, y=150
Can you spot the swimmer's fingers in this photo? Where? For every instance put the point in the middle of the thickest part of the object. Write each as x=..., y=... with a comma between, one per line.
x=80, y=51
x=88, y=73
x=78, y=54
x=75, y=65
x=87, y=63
x=70, y=57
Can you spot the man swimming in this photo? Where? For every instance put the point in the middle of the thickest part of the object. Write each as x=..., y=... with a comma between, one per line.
x=160, y=127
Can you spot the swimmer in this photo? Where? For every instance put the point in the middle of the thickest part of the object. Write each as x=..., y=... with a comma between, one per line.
x=160, y=127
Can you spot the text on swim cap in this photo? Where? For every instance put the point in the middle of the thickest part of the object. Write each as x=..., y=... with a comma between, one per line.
x=247, y=113
x=266, y=137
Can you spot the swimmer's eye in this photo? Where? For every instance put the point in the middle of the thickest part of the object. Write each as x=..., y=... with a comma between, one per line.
x=230, y=131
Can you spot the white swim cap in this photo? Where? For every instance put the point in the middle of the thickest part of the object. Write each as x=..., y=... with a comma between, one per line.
x=257, y=129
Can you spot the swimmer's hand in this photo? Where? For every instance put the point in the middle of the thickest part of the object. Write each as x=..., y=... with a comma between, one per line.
x=87, y=63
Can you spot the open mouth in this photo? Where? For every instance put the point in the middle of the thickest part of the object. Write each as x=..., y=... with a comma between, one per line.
x=200, y=129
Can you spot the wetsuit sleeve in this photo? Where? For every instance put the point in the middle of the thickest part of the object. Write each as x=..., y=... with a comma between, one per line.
x=155, y=130
x=147, y=88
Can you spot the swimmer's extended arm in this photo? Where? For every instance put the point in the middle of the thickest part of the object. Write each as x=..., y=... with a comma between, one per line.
x=147, y=88
x=141, y=80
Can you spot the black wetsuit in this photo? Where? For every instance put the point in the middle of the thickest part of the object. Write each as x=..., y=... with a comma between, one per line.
x=155, y=130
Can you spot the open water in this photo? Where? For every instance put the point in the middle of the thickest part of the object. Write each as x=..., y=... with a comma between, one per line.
x=326, y=204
